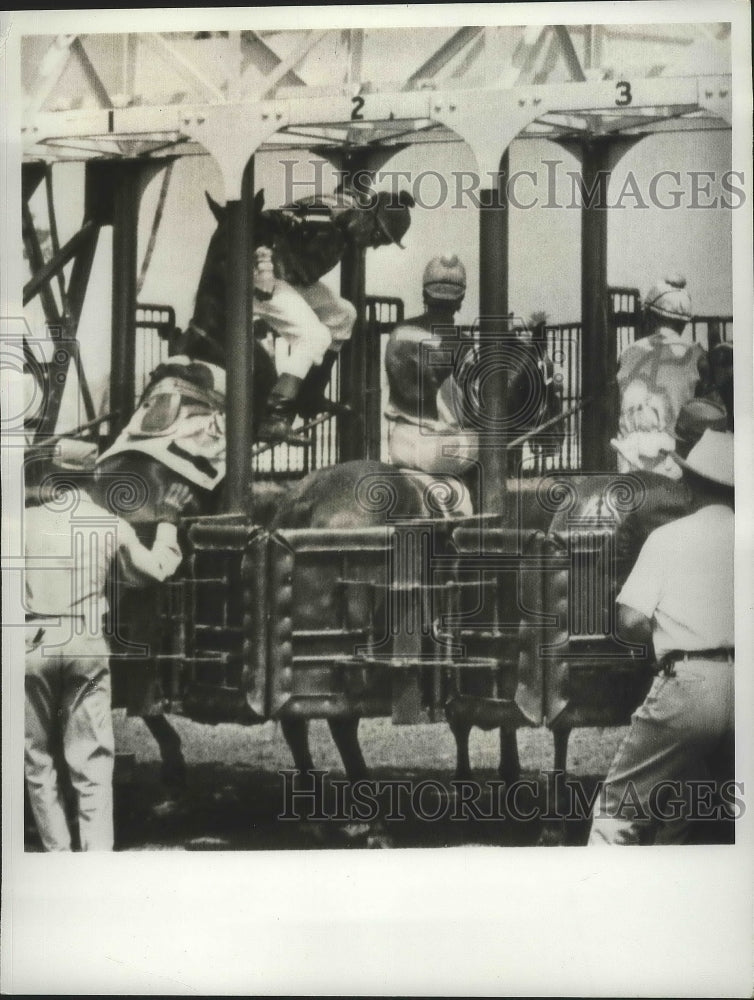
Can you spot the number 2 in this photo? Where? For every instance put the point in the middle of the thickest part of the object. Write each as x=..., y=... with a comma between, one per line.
x=358, y=104
x=624, y=89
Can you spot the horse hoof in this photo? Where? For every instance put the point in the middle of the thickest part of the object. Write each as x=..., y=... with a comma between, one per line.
x=509, y=779
x=356, y=831
x=313, y=831
x=380, y=841
x=174, y=776
x=168, y=808
x=551, y=836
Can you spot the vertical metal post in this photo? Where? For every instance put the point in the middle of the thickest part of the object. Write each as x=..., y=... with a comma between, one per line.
x=239, y=349
x=598, y=349
x=126, y=194
x=354, y=354
x=493, y=308
x=351, y=439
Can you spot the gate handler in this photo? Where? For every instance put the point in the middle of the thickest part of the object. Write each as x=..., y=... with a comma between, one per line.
x=70, y=544
x=680, y=597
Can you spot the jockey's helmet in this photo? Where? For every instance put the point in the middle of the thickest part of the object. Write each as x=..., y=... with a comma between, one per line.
x=668, y=298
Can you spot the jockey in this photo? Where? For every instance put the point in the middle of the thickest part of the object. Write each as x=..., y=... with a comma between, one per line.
x=296, y=246
x=180, y=421
x=656, y=376
x=420, y=357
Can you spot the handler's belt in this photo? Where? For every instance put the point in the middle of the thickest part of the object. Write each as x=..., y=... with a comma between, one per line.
x=721, y=653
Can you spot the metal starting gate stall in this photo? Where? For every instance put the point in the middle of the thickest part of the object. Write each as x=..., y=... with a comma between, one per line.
x=397, y=620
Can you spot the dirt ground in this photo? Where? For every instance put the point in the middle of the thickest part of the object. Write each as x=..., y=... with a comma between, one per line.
x=235, y=796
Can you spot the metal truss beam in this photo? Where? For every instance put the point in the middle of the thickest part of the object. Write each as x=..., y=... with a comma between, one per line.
x=255, y=50
x=487, y=119
x=294, y=60
x=37, y=262
x=569, y=53
x=51, y=69
x=440, y=59
x=57, y=262
x=92, y=76
x=183, y=65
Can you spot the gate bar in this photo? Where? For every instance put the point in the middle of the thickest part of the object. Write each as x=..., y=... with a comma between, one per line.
x=240, y=370
x=493, y=308
x=126, y=195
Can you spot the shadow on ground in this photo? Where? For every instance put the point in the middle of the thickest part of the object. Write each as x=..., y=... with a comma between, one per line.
x=237, y=808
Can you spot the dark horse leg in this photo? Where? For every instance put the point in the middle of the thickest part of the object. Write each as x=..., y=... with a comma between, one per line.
x=345, y=734
x=173, y=767
x=460, y=727
x=510, y=764
x=561, y=736
x=553, y=832
x=296, y=733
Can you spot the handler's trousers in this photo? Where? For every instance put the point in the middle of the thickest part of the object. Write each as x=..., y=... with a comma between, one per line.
x=682, y=733
x=311, y=318
x=68, y=714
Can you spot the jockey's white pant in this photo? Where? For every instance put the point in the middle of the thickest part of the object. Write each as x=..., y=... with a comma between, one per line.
x=311, y=318
x=68, y=724
x=413, y=446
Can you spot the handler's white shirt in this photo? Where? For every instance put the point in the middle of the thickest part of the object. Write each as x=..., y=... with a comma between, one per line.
x=69, y=547
x=683, y=581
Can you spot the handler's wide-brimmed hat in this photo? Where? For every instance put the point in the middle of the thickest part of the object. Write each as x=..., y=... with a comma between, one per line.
x=711, y=457
x=698, y=415
x=669, y=298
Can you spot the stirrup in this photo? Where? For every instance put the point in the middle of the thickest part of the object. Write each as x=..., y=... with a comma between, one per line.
x=337, y=409
x=326, y=406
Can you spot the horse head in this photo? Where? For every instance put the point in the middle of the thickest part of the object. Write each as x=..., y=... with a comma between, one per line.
x=204, y=339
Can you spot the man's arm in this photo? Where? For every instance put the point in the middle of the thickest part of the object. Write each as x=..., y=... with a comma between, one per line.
x=634, y=627
x=163, y=559
x=158, y=563
x=641, y=592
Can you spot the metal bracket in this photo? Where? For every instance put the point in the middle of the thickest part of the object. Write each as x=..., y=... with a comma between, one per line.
x=715, y=95
x=230, y=146
x=488, y=121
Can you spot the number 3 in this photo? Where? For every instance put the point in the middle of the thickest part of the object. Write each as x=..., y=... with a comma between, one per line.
x=358, y=104
x=624, y=89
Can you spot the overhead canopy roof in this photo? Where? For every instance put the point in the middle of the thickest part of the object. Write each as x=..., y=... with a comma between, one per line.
x=152, y=95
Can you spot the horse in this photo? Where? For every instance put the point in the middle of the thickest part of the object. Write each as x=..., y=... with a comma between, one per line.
x=633, y=504
x=133, y=483
x=325, y=498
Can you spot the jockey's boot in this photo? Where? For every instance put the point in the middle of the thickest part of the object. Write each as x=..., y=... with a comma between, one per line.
x=281, y=412
x=311, y=399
